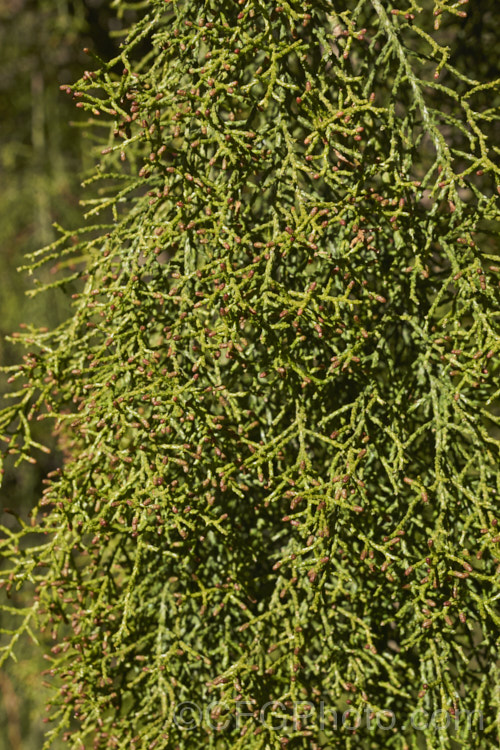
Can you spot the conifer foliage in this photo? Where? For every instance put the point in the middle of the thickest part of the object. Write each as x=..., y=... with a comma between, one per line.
x=276, y=396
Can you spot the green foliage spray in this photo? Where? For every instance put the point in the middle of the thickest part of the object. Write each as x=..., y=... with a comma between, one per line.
x=275, y=522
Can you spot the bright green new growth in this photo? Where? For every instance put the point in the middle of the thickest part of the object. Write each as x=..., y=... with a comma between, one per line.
x=276, y=395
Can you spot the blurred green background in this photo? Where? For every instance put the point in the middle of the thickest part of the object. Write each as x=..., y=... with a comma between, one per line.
x=44, y=156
